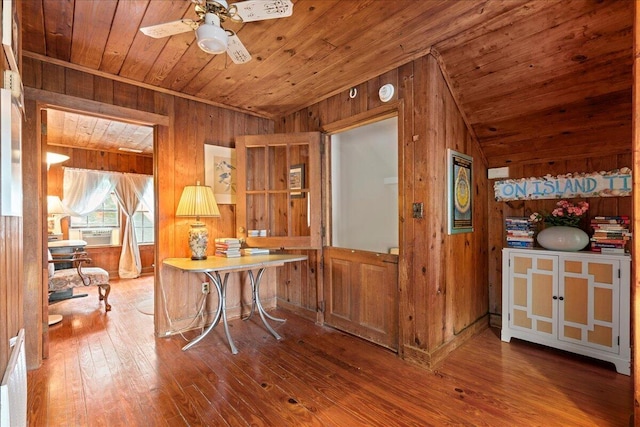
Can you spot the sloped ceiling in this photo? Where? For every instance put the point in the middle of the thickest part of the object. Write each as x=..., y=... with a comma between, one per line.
x=536, y=80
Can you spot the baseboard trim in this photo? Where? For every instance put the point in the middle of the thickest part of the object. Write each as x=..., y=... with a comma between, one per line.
x=434, y=358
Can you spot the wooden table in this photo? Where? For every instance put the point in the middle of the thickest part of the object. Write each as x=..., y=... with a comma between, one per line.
x=213, y=266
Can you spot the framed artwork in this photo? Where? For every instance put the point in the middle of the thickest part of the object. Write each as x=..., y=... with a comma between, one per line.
x=10, y=32
x=459, y=192
x=296, y=180
x=220, y=173
x=10, y=155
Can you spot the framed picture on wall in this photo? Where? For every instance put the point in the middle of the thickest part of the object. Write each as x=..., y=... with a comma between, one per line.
x=10, y=32
x=10, y=155
x=296, y=180
x=459, y=192
x=220, y=173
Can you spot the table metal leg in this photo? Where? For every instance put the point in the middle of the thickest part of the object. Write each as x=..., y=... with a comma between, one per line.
x=218, y=285
x=253, y=297
x=255, y=290
x=234, y=350
x=221, y=312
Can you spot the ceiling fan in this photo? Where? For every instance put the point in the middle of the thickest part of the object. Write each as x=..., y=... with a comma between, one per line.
x=211, y=36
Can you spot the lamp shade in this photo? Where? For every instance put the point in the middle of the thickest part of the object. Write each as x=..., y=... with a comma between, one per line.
x=55, y=206
x=198, y=201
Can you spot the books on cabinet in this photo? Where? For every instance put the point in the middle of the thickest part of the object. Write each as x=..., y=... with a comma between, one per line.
x=520, y=232
x=610, y=234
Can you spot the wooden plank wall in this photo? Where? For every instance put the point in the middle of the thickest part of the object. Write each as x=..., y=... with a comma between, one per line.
x=178, y=161
x=498, y=211
x=197, y=124
x=105, y=257
x=635, y=276
x=11, y=270
x=443, y=281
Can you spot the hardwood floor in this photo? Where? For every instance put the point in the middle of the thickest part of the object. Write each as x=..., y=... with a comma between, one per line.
x=108, y=369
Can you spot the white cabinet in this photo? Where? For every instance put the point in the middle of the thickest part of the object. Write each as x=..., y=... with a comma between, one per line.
x=574, y=301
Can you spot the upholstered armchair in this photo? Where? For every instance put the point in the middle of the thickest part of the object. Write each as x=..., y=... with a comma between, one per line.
x=78, y=275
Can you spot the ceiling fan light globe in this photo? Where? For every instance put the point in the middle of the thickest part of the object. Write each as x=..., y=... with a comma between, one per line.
x=212, y=38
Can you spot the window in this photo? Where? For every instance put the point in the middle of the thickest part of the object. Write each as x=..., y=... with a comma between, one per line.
x=113, y=196
x=364, y=162
x=143, y=224
x=100, y=227
x=106, y=216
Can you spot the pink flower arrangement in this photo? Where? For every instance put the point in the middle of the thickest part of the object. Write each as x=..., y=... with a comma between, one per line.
x=565, y=213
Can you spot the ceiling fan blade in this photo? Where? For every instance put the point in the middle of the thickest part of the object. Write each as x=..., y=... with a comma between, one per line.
x=170, y=28
x=258, y=10
x=236, y=50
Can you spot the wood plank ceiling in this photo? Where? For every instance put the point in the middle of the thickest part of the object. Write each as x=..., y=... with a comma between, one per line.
x=68, y=129
x=536, y=80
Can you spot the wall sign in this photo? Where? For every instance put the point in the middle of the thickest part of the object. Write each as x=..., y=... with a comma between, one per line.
x=615, y=183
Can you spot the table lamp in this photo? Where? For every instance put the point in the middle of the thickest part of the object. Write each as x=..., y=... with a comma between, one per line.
x=55, y=212
x=198, y=201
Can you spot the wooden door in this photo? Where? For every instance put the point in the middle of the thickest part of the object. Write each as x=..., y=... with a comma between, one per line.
x=361, y=294
x=589, y=308
x=533, y=285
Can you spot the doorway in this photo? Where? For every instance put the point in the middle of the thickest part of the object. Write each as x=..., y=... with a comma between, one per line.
x=361, y=256
x=114, y=148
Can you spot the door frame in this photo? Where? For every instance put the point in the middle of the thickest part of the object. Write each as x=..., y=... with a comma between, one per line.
x=37, y=336
x=392, y=109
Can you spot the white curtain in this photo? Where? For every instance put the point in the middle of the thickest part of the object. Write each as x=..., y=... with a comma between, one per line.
x=130, y=192
x=86, y=190
x=146, y=197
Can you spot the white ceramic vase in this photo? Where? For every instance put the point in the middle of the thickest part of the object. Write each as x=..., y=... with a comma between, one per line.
x=563, y=238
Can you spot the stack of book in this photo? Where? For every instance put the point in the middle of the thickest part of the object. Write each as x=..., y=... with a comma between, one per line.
x=227, y=247
x=610, y=234
x=520, y=232
x=254, y=251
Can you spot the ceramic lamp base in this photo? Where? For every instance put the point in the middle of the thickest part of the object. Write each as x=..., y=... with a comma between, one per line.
x=198, y=241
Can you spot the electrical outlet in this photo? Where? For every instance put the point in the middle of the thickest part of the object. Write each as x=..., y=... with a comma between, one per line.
x=205, y=287
x=418, y=210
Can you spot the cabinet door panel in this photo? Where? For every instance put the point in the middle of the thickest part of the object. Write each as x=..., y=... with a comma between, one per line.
x=278, y=213
x=278, y=168
x=301, y=225
x=602, y=273
x=534, y=282
x=254, y=176
x=256, y=209
x=601, y=335
x=576, y=300
x=279, y=190
x=588, y=313
x=542, y=295
x=603, y=304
